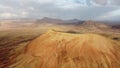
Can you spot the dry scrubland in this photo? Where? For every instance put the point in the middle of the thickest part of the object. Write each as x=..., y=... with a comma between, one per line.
x=13, y=43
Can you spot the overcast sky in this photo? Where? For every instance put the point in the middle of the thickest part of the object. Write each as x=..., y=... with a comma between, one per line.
x=64, y=9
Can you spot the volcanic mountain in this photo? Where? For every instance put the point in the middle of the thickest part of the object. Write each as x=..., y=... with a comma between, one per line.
x=64, y=50
x=50, y=20
x=95, y=24
x=116, y=26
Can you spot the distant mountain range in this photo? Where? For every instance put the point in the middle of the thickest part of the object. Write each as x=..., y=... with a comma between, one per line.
x=50, y=20
x=89, y=23
x=95, y=24
x=46, y=20
x=72, y=21
x=116, y=26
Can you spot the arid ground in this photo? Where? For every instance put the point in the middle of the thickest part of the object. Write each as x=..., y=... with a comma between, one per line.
x=15, y=38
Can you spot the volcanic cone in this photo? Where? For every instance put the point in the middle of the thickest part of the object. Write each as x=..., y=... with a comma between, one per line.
x=64, y=50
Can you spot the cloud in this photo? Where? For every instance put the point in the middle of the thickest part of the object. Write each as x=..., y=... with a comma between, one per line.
x=101, y=2
x=68, y=4
x=112, y=15
x=106, y=2
x=65, y=9
x=45, y=1
x=7, y=15
x=115, y=2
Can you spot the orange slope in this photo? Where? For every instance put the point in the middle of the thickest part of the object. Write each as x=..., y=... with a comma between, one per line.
x=63, y=50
